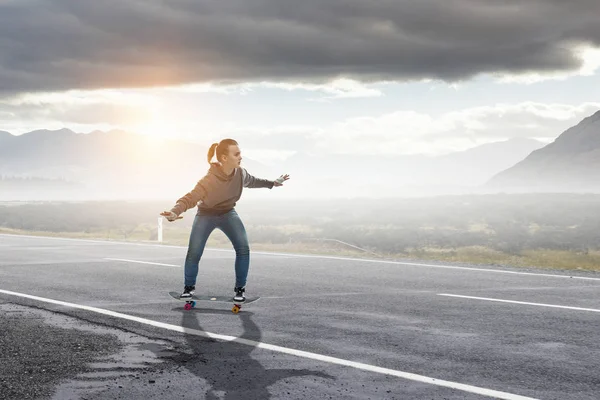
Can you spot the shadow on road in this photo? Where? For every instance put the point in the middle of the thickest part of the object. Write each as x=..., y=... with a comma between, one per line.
x=228, y=367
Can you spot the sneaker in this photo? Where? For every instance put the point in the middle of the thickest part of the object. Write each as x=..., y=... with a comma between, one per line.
x=239, y=294
x=188, y=291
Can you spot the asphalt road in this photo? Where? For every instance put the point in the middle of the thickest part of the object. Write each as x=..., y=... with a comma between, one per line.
x=93, y=320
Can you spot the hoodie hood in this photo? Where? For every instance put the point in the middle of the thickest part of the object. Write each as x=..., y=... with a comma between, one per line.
x=215, y=169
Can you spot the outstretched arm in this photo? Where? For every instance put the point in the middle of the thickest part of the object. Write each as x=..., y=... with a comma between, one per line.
x=250, y=181
x=186, y=202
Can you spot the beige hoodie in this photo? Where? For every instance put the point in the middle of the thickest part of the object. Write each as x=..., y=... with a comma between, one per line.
x=217, y=192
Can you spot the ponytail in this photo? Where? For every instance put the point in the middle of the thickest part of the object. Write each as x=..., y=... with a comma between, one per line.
x=211, y=151
x=220, y=149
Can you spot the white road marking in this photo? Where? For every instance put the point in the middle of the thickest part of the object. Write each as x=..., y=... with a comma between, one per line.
x=92, y=241
x=509, y=288
x=285, y=350
x=365, y=260
x=143, y=262
x=520, y=302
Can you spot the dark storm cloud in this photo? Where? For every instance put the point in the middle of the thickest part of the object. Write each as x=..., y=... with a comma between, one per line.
x=62, y=44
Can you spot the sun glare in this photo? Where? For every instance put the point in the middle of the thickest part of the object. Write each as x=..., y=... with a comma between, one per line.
x=157, y=128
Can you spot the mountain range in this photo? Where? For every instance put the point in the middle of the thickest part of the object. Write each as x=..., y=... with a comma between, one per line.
x=569, y=164
x=123, y=165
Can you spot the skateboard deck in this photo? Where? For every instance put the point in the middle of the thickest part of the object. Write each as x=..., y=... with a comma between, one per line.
x=191, y=303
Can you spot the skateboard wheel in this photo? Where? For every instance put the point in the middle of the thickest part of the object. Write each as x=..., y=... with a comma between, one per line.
x=187, y=306
x=193, y=304
x=235, y=309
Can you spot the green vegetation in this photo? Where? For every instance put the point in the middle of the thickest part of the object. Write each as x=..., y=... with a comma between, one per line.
x=543, y=230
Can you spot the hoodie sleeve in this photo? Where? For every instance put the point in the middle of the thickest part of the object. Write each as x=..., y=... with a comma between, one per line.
x=250, y=181
x=192, y=198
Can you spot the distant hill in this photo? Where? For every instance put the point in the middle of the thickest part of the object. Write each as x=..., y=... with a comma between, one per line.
x=4, y=137
x=119, y=164
x=406, y=175
x=107, y=164
x=569, y=164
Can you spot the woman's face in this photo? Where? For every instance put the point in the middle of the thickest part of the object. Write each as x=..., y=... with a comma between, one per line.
x=234, y=159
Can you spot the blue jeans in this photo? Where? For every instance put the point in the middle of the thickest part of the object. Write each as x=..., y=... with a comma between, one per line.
x=232, y=226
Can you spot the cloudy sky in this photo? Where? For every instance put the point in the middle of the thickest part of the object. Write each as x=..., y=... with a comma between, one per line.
x=334, y=76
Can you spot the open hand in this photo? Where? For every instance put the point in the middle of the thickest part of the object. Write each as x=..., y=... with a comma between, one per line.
x=170, y=216
x=279, y=181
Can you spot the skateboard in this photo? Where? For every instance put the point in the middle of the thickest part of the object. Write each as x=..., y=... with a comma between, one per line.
x=189, y=304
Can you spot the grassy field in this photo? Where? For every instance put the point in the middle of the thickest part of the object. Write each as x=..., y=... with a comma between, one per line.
x=541, y=258
x=557, y=231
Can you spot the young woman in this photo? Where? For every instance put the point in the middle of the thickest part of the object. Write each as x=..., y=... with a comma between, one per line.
x=218, y=191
